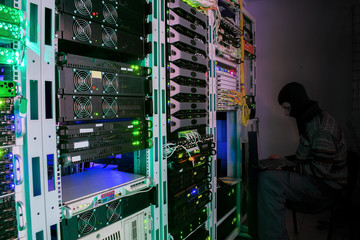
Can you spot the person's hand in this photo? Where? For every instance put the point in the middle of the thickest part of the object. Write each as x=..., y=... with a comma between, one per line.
x=274, y=156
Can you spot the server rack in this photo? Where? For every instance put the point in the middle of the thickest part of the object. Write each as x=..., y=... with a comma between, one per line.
x=45, y=213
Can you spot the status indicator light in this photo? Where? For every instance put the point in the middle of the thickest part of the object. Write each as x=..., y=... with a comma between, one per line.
x=136, y=143
x=10, y=15
x=135, y=122
x=9, y=56
x=10, y=31
x=136, y=133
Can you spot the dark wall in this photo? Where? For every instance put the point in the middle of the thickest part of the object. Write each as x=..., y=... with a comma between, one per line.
x=306, y=41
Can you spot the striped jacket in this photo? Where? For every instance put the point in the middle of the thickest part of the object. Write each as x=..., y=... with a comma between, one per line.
x=322, y=151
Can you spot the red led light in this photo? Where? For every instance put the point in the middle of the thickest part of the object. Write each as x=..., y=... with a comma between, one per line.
x=93, y=87
x=93, y=13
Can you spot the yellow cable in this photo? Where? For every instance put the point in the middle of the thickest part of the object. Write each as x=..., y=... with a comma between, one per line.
x=245, y=114
x=245, y=108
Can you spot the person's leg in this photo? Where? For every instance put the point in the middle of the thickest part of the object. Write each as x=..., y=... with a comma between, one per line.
x=274, y=187
x=271, y=205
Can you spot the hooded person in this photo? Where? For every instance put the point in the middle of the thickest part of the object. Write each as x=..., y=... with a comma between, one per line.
x=322, y=166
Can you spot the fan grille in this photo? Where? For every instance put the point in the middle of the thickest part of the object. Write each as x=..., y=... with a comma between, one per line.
x=113, y=212
x=84, y=7
x=110, y=107
x=109, y=37
x=110, y=14
x=82, y=30
x=87, y=222
x=82, y=107
x=82, y=80
x=110, y=83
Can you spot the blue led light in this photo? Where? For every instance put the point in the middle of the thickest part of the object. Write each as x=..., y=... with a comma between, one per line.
x=12, y=117
x=193, y=191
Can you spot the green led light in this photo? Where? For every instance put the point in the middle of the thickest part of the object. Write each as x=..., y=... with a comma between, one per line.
x=135, y=122
x=150, y=143
x=136, y=133
x=10, y=31
x=9, y=56
x=10, y=15
x=136, y=67
x=136, y=143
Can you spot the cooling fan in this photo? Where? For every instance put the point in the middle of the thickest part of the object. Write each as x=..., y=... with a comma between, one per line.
x=82, y=30
x=110, y=83
x=87, y=222
x=82, y=80
x=110, y=14
x=109, y=37
x=82, y=107
x=113, y=212
x=84, y=7
x=110, y=107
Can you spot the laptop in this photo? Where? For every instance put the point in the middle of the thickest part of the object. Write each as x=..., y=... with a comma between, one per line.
x=281, y=163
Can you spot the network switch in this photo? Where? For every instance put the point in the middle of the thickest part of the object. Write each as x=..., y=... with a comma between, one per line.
x=100, y=152
x=92, y=142
x=96, y=64
x=92, y=129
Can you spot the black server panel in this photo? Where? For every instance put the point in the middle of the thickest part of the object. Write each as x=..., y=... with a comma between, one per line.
x=187, y=68
x=82, y=224
x=85, y=37
x=107, y=12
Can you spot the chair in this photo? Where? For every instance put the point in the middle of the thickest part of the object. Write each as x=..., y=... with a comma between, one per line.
x=344, y=200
